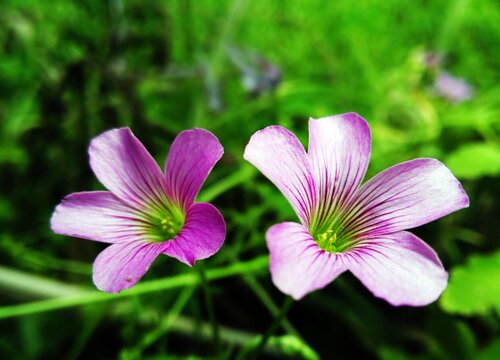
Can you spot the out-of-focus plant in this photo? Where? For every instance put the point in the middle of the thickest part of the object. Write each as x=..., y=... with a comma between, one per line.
x=71, y=70
x=474, y=287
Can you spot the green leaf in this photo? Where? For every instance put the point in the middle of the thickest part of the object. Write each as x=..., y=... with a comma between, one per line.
x=388, y=353
x=473, y=161
x=290, y=345
x=474, y=288
x=294, y=346
x=491, y=352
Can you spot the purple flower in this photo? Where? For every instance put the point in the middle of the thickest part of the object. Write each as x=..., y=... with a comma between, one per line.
x=453, y=88
x=146, y=212
x=258, y=75
x=345, y=226
x=433, y=60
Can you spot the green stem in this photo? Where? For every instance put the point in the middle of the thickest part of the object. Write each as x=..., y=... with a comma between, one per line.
x=232, y=337
x=27, y=284
x=87, y=296
x=165, y=323
x=209, y=306
x=90, y=322
x=274, y=326
x=269, y=303
x=244, y=173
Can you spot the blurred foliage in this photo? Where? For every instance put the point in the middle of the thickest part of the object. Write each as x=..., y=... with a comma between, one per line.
x=482, y=159
x=491, y=352
x=70, y=70
x=474, y=288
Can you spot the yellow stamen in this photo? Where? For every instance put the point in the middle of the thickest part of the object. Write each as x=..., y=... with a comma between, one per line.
x=327, y=240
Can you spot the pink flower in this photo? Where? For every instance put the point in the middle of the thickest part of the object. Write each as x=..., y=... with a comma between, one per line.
x=146, y=212
x=453, y=88
x=345, y=226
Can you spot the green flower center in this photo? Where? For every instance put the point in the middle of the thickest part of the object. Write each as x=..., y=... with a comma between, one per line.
x=335, y=230
x=167, y=225
x=334, y=241
x=328, y=241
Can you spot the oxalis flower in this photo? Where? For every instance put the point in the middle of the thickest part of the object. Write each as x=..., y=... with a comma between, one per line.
x=345, y=226
x=146, y=212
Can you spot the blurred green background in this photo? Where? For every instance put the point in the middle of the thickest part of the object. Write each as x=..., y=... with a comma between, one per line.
x=425, y=74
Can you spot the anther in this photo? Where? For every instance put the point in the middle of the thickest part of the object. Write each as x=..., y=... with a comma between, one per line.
x=327, y=240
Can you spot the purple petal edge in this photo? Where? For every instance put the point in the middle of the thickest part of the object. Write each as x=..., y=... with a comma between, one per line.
x=120, y=266
x=192, y=156
x=399, y=268
x=280, y=156
x=124, y=166
x=405, y=196
x=94, y=215
x=339, y=152
x=202, y=235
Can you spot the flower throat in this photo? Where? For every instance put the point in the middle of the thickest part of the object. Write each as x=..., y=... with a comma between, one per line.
x=167, y=225
x=334, y=240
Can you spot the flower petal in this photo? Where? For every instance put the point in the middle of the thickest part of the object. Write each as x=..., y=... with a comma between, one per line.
x=339, y=150
x=95, y=215
x=279, y=155
x=124, y=166
x=404, y=196
x=399, y=268
x=298, y=265
x=120, y=266
x=202, y=235
x=192, y=156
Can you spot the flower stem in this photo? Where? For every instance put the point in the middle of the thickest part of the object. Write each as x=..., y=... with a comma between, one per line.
x=165, y=323
x=65, y=296
x=274, y=326
x=209, y=306
x=269, y=303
